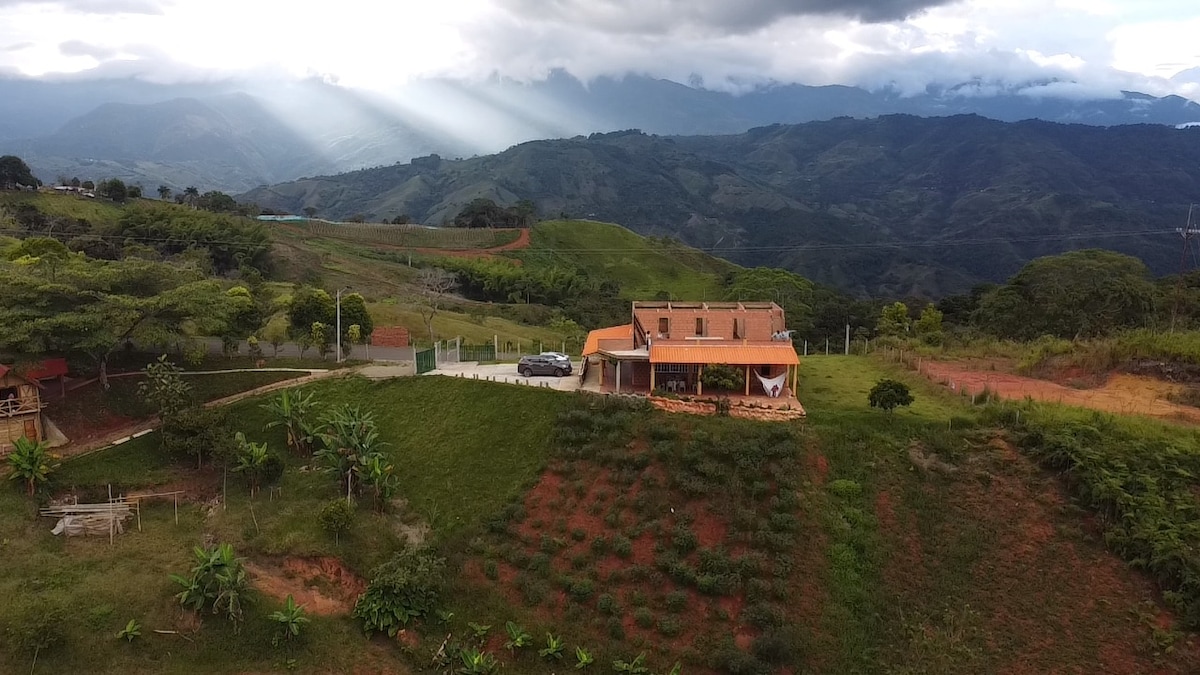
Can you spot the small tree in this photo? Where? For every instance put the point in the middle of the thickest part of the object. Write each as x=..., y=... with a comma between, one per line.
x=929, y=326
x=218, y=581
x=728, y=378
x=290, y=619
x=336, y=517
x=32, y=462
x=889, y=394
x=350, y=440
x=165, y=389
x=321, y=336
x=434, y=284
x=291, y=410
x=276, y=334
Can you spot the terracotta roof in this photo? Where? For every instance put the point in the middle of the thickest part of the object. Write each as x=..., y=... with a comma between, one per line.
x=46, y=369
x=612, y=333
x=778, y=354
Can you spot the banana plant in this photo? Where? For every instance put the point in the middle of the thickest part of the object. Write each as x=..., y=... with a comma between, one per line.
x=583, y=658
x=131, y=631
x=291, y=618
x=32, y=462
x=373, y=470
x=553, y=649
x=517, y=637
x=251, y=460
x=291, y=410
x=476, y=662
x=635, y=667
x=479, y=630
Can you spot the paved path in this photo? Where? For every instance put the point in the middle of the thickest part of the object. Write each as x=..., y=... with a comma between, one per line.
x=507, y=372
x=144, y=427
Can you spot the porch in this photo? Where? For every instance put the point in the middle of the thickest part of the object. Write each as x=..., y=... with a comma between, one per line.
x=609, y=374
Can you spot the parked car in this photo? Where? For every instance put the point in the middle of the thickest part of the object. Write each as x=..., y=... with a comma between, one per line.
x=558, y=356
x=543, y=365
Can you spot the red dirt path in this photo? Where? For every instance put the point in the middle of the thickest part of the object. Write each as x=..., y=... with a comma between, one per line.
x=1120, y=393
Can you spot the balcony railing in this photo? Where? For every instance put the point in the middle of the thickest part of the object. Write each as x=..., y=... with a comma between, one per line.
x=19, y=406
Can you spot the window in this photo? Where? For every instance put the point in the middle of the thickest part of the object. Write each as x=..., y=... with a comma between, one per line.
x=699, y=325
x=664, y=326
x=739, y=328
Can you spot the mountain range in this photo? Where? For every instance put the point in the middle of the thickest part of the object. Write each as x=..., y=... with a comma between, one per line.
x=218, y=136
x=896, y=205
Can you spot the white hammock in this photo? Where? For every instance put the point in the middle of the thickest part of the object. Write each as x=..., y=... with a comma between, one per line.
x=773, y=385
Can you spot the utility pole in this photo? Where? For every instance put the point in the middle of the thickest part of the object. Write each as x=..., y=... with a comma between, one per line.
x=1186, y=233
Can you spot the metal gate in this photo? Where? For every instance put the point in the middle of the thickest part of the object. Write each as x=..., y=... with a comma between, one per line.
x=426, y=361
x=477, y=352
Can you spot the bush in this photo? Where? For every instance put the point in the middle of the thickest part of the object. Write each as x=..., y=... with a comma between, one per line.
x=676, y=601
x=622, y=546
x=404, y=588
x=607, y=604
x=643, y=617
x=889, y=394
x=684, y=540
x=670, y=626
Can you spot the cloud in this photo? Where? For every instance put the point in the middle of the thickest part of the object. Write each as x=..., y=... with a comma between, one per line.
x=16, y=47
x=81, y=48
x=154, y=7
x=657, y=17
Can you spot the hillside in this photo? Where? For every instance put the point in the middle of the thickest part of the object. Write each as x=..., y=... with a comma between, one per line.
x=897, y=205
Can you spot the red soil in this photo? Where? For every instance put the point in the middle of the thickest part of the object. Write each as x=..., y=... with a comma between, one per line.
x=1119, y=393
x=322, y=585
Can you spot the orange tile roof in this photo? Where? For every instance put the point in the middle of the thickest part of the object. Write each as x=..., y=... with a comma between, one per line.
x=778, y=354
x=612, y=333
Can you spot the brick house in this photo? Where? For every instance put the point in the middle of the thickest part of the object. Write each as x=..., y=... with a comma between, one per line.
x=667, y=345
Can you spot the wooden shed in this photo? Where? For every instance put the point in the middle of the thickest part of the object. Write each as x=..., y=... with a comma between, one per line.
x=20, y=409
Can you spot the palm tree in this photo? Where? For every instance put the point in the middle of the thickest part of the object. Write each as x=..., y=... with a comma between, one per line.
x=164, y=193
x=190, y=195
x=31, y=462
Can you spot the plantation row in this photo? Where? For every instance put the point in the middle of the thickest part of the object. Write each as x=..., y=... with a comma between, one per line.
x=415, y=236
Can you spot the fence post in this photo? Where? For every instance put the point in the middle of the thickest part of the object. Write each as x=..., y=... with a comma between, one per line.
x=496, y=344
x=806, y=347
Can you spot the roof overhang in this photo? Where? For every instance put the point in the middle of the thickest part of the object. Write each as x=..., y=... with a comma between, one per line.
x=775, y=354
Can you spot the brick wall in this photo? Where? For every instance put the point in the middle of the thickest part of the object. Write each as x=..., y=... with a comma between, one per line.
x=389, y=336
x=759, y=323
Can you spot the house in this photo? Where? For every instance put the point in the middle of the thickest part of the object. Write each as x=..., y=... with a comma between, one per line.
x=667, y=345
x=20, y=409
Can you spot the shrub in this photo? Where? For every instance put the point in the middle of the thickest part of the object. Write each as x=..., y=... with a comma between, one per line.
x=670, y=626
x=676, y=601
x=404, y=588
x=622, y=546
x=581, y=589
x=607, y=604
x=684, y=540
x=643, y=617
x=491, y=570
x=599, y=545
x=887, y=395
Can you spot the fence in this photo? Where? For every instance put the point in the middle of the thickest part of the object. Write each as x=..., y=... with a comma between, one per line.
x=448, y=351
x=477, y=352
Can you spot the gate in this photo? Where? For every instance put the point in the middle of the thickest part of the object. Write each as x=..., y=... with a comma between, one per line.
x=426, y=361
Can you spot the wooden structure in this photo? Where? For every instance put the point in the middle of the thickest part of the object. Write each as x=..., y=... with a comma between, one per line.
x=667, y=345
x=20, y=409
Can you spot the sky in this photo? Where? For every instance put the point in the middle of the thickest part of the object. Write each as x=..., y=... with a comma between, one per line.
x=1064, y=47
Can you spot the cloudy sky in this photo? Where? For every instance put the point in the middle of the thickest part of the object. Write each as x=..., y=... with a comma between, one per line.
x=1096, y=45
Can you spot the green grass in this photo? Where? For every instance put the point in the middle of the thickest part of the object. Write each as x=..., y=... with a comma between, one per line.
x=96, y=211
x=643, y=266
x=411, y=236
x=474, y=329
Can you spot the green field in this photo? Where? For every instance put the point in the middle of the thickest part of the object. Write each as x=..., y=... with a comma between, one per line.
x=645, y=266
x=887, y=566
x=409, y=236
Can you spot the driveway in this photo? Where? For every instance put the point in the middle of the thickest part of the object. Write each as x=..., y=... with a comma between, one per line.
x=507, y=372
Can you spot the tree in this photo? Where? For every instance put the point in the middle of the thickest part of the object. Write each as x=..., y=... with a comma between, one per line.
x=243, y=315
x=114, y=189
x=290, y=619
x=790, y=291
x=164, y=193
x=291, y=409
x=276, y=334
x=201, y=432
x=89, y=185
x=336, y=517
x=722, y=377
x=191, y=195
x=322, y=338
x=308, y=306
x=14, y=173
x=40, y=252
x=310, y=211
x=354, y=312
x=134, y=191
x=32, y=462
x=929, y=326
x=893, y=320
x=94, y=307
x=1078, y=294
x=889, y=394
x=434, y=284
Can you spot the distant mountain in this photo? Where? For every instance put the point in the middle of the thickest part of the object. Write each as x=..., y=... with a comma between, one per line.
x=202, y=135
x=895, y=205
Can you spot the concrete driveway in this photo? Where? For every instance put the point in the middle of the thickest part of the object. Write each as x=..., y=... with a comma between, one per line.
x=507, y=372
